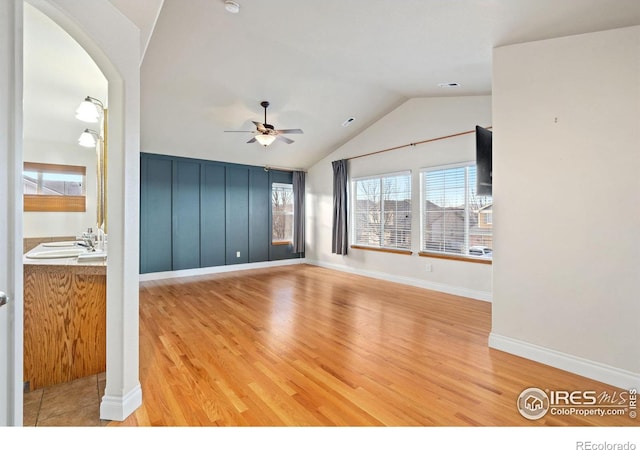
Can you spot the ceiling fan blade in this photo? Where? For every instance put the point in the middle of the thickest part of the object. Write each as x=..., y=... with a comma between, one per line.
x=284, y=139
x=292, y=131
x=239, y=131
x=251, y=140
x=261, y=128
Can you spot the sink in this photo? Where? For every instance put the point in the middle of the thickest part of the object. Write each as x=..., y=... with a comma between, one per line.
x=53, y=254
x=60, y=244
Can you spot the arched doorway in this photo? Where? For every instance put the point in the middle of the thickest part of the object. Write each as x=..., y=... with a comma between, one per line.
x=93, y=24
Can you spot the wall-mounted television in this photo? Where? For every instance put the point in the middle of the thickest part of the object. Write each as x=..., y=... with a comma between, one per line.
x=484, y=170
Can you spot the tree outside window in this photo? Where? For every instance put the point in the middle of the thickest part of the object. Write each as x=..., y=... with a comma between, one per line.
x=281, y=213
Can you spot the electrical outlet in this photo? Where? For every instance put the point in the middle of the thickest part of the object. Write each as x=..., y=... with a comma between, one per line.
x=237, y=254
x=429, y=268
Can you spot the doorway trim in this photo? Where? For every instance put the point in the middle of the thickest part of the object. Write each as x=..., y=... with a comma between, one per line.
x=94, y=24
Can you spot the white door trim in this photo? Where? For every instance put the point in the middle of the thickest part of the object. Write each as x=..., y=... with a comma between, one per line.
x=11, y=208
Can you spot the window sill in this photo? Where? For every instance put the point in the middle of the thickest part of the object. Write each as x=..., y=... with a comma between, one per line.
x=456, y=258
x=281, y=243
x=383, y=250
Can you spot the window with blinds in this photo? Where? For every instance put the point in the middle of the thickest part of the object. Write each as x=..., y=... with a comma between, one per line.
x=54, y=187
x=281, y=213
x=381, y=211
x=455, y=220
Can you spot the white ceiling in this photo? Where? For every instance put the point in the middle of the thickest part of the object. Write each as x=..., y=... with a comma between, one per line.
x=205, y=70
x=58, y=75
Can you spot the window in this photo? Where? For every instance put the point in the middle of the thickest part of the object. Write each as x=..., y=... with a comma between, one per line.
x=382, y=211
x=281, y=214
x=455, y=220
x=54, y=187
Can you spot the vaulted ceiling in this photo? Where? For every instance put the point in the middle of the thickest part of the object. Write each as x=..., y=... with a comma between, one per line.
x=205, y=70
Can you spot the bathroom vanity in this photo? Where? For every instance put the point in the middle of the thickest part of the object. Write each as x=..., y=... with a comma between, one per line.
x=64, y=314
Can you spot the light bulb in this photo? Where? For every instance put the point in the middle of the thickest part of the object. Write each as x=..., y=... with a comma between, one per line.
x=265, y=139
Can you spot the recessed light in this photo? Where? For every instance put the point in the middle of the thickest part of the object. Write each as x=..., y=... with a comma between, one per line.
x=232, y=6
x=347, y=122
x=449, y=85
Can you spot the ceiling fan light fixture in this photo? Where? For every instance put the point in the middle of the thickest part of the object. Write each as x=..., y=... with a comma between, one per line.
x=232, y=7
x=265, y=139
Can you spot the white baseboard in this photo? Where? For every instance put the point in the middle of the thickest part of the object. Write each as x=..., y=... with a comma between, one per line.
x=218, y=269
x=440, y=287
x=119, y=408
x=590, y=369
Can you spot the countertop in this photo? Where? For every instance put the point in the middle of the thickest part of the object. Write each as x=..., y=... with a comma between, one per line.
x=96, y=267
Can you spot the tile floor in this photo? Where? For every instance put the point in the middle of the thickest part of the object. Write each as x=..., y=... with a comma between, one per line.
x=73, y=404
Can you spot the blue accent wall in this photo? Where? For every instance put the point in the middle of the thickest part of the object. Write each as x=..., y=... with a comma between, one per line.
x=212, y=217
x=237, y=215
x=186, y=215
x=197, y=213
x=155, y=214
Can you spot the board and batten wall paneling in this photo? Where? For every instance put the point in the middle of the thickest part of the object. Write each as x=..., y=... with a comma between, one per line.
x=155, y=214
x=186, y=215
x=212, y=215
x=237, y=215
x=259, y=207
x=197, y=213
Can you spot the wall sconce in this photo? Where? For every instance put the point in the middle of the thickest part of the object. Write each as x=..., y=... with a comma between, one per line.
x=90, y=110
x=89, y=138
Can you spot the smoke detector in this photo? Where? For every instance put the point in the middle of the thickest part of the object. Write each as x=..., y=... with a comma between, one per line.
x=232, y=6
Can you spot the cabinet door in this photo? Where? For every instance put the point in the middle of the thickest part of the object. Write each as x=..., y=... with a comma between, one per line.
x=186, y=215
x=212, y=215
x=237, y=215
x=259, y=204
x=155, y=214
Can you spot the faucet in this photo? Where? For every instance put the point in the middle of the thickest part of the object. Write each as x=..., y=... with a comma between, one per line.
x=89, y=240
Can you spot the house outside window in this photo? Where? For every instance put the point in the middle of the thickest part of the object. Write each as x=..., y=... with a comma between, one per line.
x=381, y=211
x=455, y=220
x=281, y=214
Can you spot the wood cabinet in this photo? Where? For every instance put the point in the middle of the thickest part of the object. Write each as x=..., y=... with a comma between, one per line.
x=64, y=323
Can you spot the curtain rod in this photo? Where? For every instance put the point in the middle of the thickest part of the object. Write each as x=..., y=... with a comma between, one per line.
x=413, y=144
x=283, y=169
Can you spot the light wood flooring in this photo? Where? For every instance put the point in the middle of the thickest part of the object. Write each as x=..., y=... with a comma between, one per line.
x=307, y=346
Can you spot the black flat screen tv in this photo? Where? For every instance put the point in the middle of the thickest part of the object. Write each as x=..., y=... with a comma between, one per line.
x=484, y=171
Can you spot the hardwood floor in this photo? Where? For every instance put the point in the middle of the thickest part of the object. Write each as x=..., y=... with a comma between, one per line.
x=308, y=346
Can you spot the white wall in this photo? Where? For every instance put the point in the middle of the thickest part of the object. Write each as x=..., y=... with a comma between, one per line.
x=43, y=224
x=58, y=75
x=113, y=42
x=566, y=155
x=415, y=120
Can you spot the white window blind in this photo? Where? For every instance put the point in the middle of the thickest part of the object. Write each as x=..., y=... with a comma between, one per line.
x=281, y=213
x=382, y=211
x=453, y=215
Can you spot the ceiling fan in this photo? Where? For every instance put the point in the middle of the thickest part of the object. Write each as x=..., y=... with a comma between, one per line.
x=266, y=133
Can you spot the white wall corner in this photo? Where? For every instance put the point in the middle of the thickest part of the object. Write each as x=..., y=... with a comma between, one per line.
x=115, y=407
x=614, y=376
x=416, y=282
